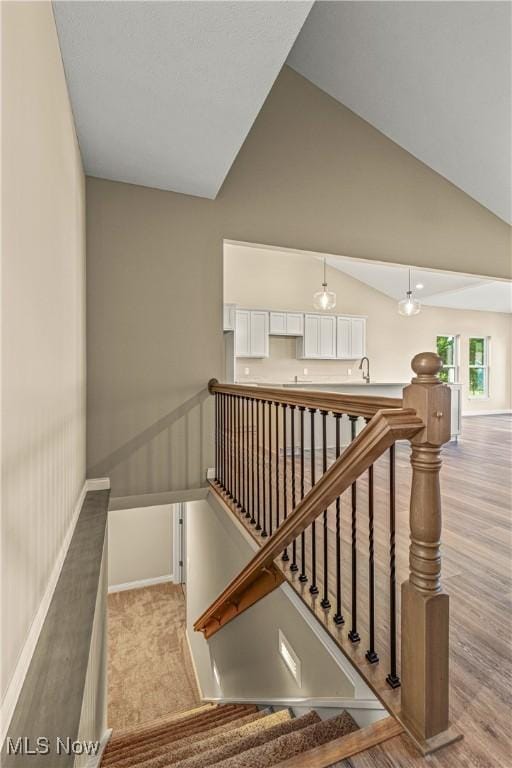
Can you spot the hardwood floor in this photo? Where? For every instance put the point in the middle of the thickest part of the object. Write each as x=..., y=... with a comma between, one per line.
x=476, y=498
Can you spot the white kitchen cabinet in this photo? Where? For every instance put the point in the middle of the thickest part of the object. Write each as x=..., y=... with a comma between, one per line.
x=229, y=317
x=343, y=339
x=278, y=323
x=251, y=333
x=358, y=337
x=351, y=338
x=319, y=341
x=294, y=324
x=286, y=323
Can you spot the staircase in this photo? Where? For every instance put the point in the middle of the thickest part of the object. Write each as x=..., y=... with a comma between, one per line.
x=230, y=736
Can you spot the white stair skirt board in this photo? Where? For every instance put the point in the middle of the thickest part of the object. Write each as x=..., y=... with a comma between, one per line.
x=18, y=678
x=95, y=760
x=141, y=583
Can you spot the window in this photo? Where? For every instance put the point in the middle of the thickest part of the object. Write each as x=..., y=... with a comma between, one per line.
x=478, y=366
x=448, y=351
x=290, y=658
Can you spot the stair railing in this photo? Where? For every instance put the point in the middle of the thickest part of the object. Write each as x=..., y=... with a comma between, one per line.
x=267, y=445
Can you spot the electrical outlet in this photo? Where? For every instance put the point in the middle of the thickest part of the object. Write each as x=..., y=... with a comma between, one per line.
x=246, y=371
x=349, y=371
x=305, y=371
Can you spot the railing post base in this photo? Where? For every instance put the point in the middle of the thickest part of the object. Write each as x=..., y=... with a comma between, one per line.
x=425, y=621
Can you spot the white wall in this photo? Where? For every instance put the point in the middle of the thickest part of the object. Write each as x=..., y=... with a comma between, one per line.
x=245, y=651
x=43, y=319
x=273, y=279
x=140, y=545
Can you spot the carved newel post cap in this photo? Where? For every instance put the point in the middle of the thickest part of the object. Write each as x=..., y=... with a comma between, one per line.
x=426, y=366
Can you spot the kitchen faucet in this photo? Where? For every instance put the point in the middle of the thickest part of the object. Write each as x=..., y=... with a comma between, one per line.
x=366, y=376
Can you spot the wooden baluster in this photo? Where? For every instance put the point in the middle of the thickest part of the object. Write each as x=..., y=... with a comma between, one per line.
x=425, y=607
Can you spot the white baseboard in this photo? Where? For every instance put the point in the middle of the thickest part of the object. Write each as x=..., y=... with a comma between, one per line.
x=310, y=702
x=499, y=412
x=98, y=484
x=94, y=761
x=198, y=682
x=25, y=657
x=141, y=583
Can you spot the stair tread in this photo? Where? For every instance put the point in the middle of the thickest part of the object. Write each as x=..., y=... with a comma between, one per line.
x=202, y=749
x=159, y=722
x=180, y=747
x=139, y=743
x=245, y=744
x=335, y=752
x=292, y=744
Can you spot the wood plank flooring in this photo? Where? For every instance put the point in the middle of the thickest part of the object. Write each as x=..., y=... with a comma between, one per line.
x=476, y=497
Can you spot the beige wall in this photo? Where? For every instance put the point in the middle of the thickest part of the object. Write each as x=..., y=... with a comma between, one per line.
x=43, y=319
x=139, y=544
x=246, y=651
x=311, y=175
x=262, y=278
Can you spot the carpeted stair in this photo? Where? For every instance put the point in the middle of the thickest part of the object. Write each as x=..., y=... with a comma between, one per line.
x=224, y=736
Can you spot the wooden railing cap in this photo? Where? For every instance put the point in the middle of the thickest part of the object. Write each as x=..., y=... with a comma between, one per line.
x=426, y=366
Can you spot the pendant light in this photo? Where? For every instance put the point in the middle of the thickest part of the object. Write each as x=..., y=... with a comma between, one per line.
x=324, y=299
x=409, y=306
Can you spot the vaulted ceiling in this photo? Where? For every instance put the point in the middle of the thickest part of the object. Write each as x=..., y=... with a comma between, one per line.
x=435, y=77
x=164, y=93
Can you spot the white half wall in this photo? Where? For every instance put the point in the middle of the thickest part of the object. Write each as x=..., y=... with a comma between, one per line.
x=140, y=546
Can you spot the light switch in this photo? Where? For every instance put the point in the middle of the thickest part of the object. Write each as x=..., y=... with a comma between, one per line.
x=305, y=371
x=246, y=371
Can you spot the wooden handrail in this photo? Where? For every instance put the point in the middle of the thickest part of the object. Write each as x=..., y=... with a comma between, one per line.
x=354, y=405
x=260, y=575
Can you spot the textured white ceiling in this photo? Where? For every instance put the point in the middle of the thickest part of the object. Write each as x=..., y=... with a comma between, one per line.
x=440, y=289
x=164, y=93
x=433, y=76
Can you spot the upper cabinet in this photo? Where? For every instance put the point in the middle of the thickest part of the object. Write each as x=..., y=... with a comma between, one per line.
x=319, y=341
x=251, y=333
x=229, y=317
x=351, y=338
x=319, y=337
x=286, y=324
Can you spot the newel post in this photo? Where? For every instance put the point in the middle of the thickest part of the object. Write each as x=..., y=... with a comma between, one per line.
x=425, y=607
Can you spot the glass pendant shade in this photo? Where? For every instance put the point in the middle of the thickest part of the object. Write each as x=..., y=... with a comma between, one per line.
x=324, y=300
x=409, y=306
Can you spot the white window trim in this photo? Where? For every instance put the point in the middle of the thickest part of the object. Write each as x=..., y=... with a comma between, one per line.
x=456, y=356
x=290, y=658
x=485, y=366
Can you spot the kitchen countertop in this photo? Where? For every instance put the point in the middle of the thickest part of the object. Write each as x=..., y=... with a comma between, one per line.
x=308, y=383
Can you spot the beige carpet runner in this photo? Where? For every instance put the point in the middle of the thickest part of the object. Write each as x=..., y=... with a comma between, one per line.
x=226, y=736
